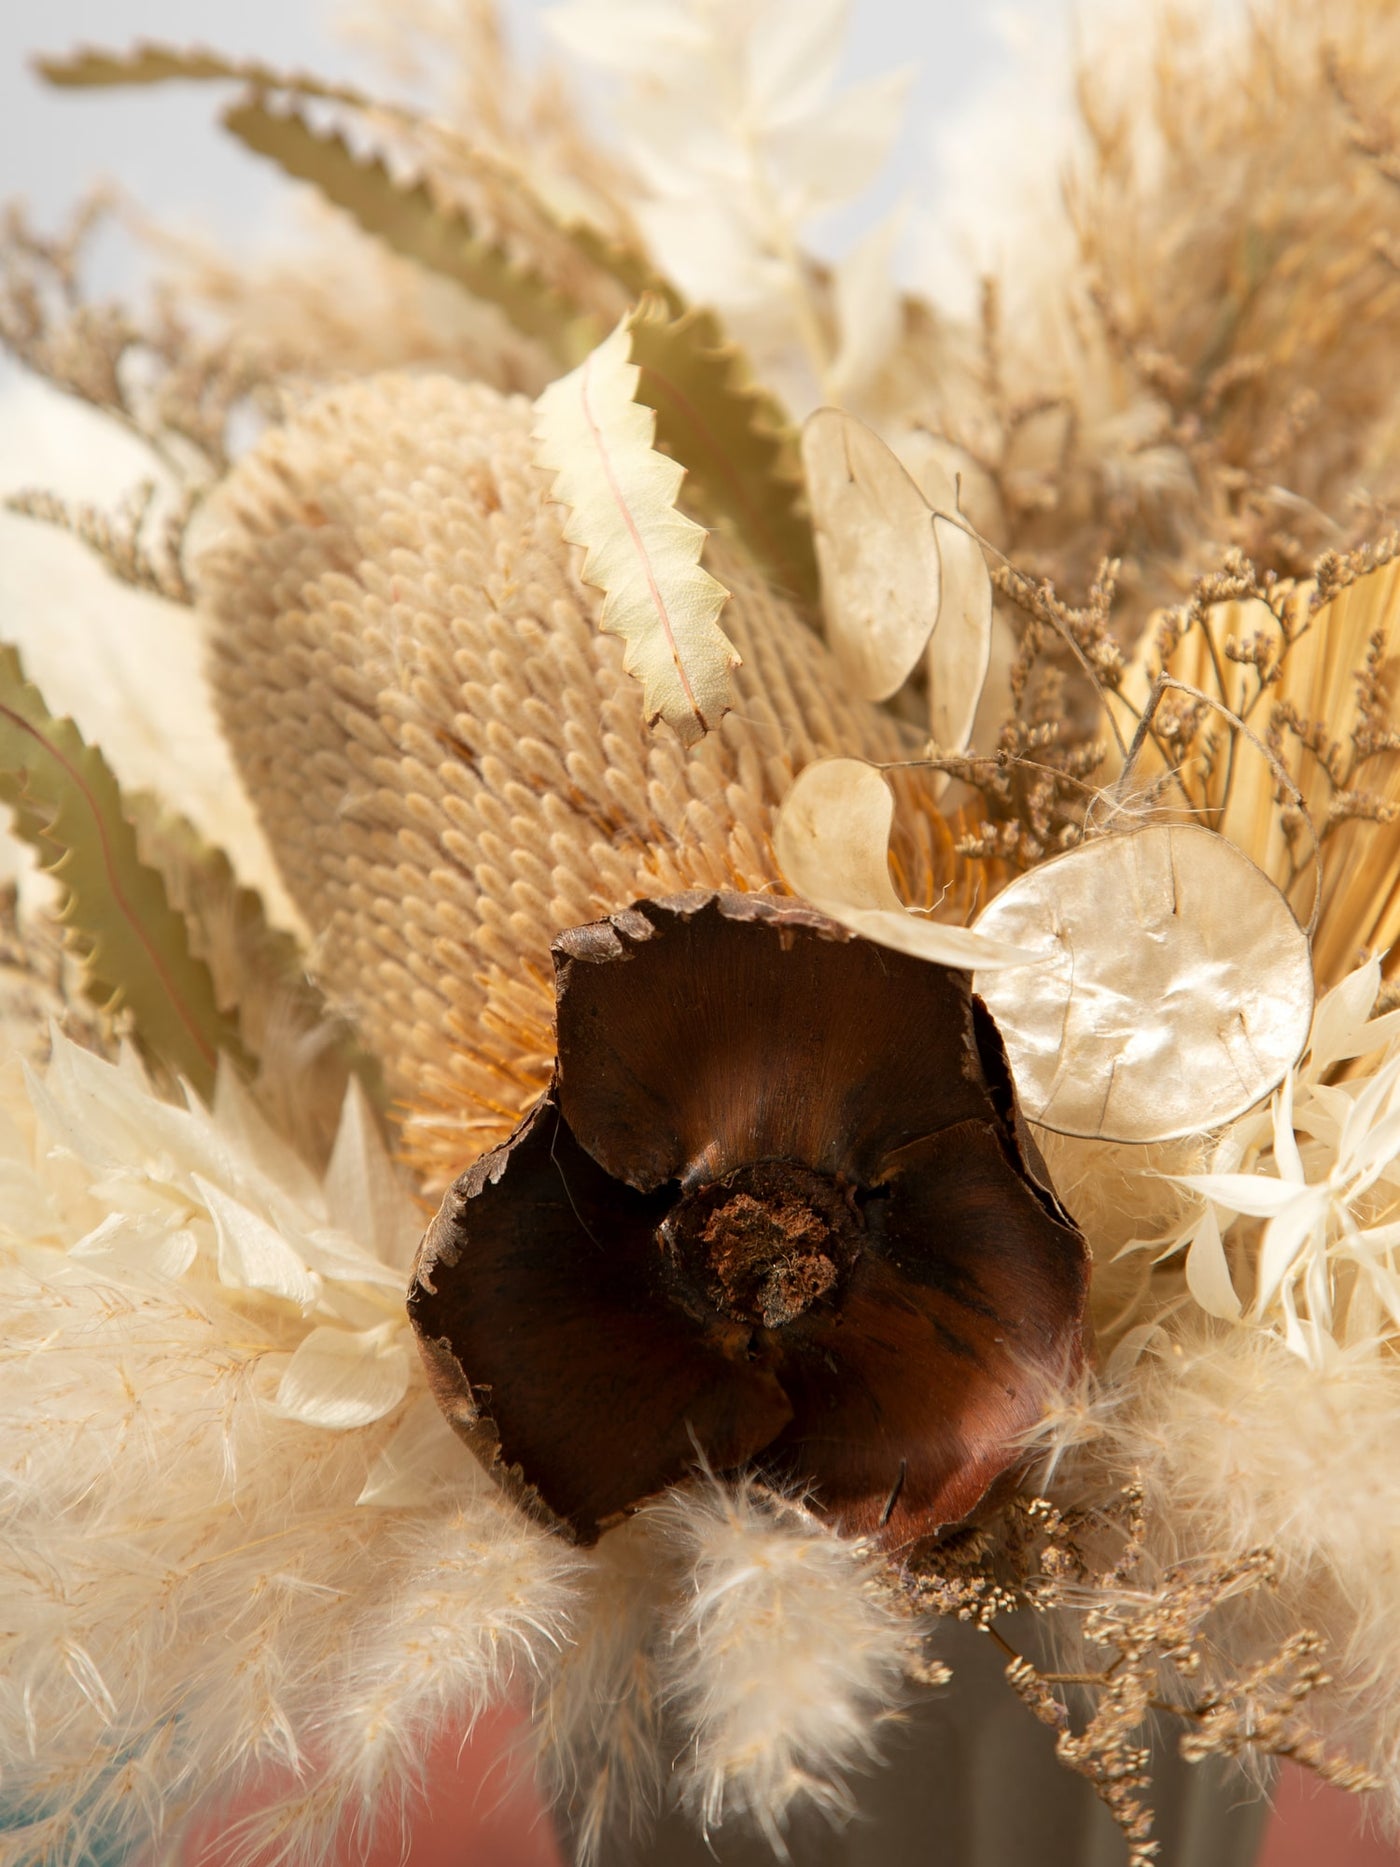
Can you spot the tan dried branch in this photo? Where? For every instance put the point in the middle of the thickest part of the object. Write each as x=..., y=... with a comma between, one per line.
x=177, y=392
x=1146, y=1646
x=137, y=545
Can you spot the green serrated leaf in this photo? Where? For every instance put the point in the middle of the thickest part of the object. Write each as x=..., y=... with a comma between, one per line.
x=148, y=62
x=443, y=239
x=68, y=806
x=306, y=1053
x=408, y=219
x=729, y=434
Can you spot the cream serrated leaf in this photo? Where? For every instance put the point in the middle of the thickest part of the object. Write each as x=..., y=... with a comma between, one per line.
x=594, y=436
x=305, y=1053
x=149, y=61
x=408, y=218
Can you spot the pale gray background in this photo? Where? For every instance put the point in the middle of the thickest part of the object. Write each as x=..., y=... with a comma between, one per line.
x=164, y=147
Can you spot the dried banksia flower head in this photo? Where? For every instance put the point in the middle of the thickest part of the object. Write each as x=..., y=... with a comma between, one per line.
x=449, y=761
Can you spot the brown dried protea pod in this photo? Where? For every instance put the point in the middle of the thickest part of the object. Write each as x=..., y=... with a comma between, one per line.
x=776, y=1209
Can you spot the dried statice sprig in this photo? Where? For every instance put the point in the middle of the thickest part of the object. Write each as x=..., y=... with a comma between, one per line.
x=1137, y=1645
x=1244, y=721
x=174, y=391
x=1193, y=1414
x=179, y=393
x=135, y=547
x=1297, y=757
x=1035, y=785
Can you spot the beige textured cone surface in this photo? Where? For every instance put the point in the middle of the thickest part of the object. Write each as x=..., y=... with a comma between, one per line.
x=449, y=761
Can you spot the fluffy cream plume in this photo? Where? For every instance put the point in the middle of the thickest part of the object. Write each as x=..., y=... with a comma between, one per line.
x=787, y=1649
x=234, y=1533
x=725, y=1627
x=599, y=1724
x=1241, y=1445
x=450, y=763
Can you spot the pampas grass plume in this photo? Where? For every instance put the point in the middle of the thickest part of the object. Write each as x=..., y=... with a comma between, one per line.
x=204, y=1582
x=787, y=1650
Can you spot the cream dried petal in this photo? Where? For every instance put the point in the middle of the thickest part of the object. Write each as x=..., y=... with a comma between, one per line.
x=876, y=549
x=1174, y=989
x=832, y=841
x=142, y=1245
x=1208, y=1271
x=422, y=1462
x=1343, y=1026
x=252, y=1256
x=365, y=1195
x=341, y=1378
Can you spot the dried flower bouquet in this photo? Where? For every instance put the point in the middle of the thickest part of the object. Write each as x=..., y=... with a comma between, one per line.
x=896, y=1020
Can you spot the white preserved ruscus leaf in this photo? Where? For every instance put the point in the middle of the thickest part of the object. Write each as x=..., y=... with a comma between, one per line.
x=1173, y=987
x=641, y=552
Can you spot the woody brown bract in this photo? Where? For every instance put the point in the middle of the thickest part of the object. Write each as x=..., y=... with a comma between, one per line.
x=777, y=1205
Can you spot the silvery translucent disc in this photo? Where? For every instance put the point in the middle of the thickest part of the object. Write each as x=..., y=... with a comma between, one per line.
x=1174, y=987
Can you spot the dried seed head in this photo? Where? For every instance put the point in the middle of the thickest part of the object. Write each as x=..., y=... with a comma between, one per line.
x=777, y=1209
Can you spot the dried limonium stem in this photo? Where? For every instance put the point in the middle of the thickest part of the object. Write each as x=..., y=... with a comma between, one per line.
x=1144, y=1644
x=175, y=392
x=138, y=544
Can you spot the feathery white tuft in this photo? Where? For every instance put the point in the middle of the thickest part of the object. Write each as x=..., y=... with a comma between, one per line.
x=234, y=1533
x=788, y=1652
x=599, y=1719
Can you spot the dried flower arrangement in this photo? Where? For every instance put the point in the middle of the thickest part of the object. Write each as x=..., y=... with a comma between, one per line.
x=905, y=1062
